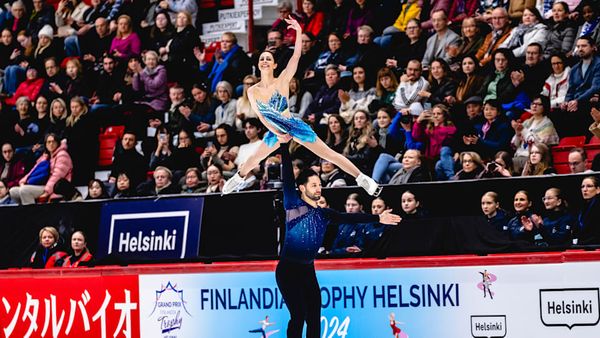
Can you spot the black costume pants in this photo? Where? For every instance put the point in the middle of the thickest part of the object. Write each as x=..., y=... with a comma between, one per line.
x=300, y=290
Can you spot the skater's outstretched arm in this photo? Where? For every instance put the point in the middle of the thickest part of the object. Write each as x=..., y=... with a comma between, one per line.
x=291, y=198
x=292, y=66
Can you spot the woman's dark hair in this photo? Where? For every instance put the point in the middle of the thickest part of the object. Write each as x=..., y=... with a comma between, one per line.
x=444, y=65
x=103, y=194
x=495, y=104
x=508, y=54
x=545, y=102
x=189, y=133
x=66, y=189
x=564, y=6
x=475, y=61
x=231, y=141
x=593, y=179
x=535, y=12
x=506, y=157
x=154, y=31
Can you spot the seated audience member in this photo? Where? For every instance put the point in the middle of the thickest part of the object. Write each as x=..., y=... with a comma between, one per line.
x=253, y=130
x=577, y=161
x=182, y=60
x=434, y=129
x=178, y=159
x=81, y=133
x=311, y=18
x=501, y=85
x=412, y=207
x=337, y=133
x=561, y=33
x=519, y=226
x=365, y=53
x=556, y=224
x=30, y=88
x=429, y=10
x=471, y=81
x=96, y=190
x=150, y=83
x=128, y=160
x=326, y=100
x=359, y=97
x=49, y=252
x=12, y=168
x=126, y=43
x=582, y=88
x=493, y=135
x=471, y=40
x=230, y=63
x=533, y=72
x=389, y=132
x=587, y=230
x=442, y=88
x=348, y=239
x=285, y=10
x=58, y=117
x=411, y=170
x=398, y=55
x=24, y=131
x=331, y=175
x=299, y=99
x=53, y=165
x=215, y=180
x=385, y=88
x=557, y=84
x=530, y=30
x=501, y=166
x=411, y=9
x=496, y=216
x=109, y=85
x=123, y=187
x=465, y=120
x=271, y=173
x=472, y=166
x=199, y=114
x=408, y=99
x=589, y=25
x=333, y=54
x=80, y=256
x=225, y=112
x=162, y=184
x=537, y=129
x=223, y=152
x=501, y=29
x=4, y=195
x=360, y=14
x=437, y=44
x=192, y=183
x=66, y=192
x=361, y=148
x=538, y=162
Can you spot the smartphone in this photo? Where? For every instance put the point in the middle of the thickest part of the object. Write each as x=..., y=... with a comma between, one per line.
x=209, y=144
x=162, y=137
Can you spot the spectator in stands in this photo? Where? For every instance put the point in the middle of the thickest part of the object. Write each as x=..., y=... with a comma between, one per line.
x=429, y=11
x=109, y=86
x=333, y=55
x=538, y=162
x=493, y=134
x=23, y=130
x=537, y=129
x=281, y=52
x=127, y=160
x=46, y=47
x=530, y=30
x=53, y=165
x=182, y=64
x=360, y=14
x=58, y=117
x=516, y=9
x=434, y=129
x=360, y=147
x=160, y=185
x=365, y=53
x=200, y=113
x=503, y=84
x=331, y=176
x=174, y=7
x=123, y=187
x=587, y=230
x=224, y=152
x=412, y=48
x=15, y=72
x=243, y=109
x=96, y=190
x=299, y=99
x=215, y=181
x=471, y=39
x=76, y=84
x=309, y=55
x=326, y=100
x=577, y=161
x=157, y=36
x=66, y=192
x=442, y=88
x=389, y=132
x=312, y=20
x=501, y=166
x=494, y=214
x=230, y=63
x=519, y=226
x=179, y=159
x=411, y=169
x=4, y=195
x=30, y=88
x=337, y=133
x=49, y=251
x=8, y=48
x=42, y=14
x=360, y=95
x=472, y=166
x=92, y=45
x=412, y=207
x=556, y=85
x=385, y=87
x=12, y=167
x=411, y=9
x=348, y=239
x=253, y=130
x=555, y=227
x=192, y=183
x=127, y=43
x=533, y=73
x=17, y=20
x=225, y=112
x=589, y=26
x=584, y=81
x=407, y=100
x=443, y=37
x=465, y=121
x=500, y=31
x=81, y=133
x=41, y=116
x=151, y=83
x=80, y=256
x=471, y=81
x=69, y=17
x=561, y=34
x=285, y=10
x=55, y=79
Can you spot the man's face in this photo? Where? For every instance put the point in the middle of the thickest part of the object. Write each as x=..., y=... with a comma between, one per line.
x=51, y=68
x=586, y=51
x=251, y=131
x=108, y=65
x=307, y=44
x=363, y=37
x=226, y=43
x=37, y=5
x=128, y=141
x=312, y=189
x=101, y=26
x=161, y=179
x=410, y=159
x=473, y=109
x=274, y=39
x=439, y=21
x=499, y=19
x=576, y=163
x=7, y=152
x=533, y=55
x=413, y=70
x=176, y=95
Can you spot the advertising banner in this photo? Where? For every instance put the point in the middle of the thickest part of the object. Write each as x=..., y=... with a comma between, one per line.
x=517, y=301
x=153, y=230
x=70, y=307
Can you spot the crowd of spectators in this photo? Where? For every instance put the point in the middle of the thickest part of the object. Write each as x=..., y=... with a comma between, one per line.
x=409, y=91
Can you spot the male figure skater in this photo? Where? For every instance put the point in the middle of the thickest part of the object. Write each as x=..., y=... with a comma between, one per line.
x=305, y=227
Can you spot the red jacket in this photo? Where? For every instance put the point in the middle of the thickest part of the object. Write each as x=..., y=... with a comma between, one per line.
x=29, y=88
x=16, y=170
x=85, y=257
x=434, y=139
x=61, y=166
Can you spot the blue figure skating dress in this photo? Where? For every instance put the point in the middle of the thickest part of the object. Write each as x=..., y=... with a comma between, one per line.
x=273, y=112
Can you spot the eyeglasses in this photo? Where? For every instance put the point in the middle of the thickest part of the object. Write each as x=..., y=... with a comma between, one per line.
x=557, y=63
x=468, y=161
x=572, y=164
x=536, y=104
x=412, y=27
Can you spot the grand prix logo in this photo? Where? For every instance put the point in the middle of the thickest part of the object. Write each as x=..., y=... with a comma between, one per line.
x=168, y=307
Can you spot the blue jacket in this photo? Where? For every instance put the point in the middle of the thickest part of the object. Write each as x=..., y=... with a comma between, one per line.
x=500, y=221
x=518, y=232
x=496, y=139
x=557, y=228
x=582, y=88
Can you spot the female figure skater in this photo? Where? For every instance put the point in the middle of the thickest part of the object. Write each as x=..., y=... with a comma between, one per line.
x=269, y=99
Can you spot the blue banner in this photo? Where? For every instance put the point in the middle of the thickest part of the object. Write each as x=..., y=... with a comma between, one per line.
x=158, y=229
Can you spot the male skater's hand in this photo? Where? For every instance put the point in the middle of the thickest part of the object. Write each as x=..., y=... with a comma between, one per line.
x=284, y=138
x=388, y=218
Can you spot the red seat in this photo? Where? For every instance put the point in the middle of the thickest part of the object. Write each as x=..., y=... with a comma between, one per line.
x=574, y=141
x=562, y=168
x=560, y=154
x=115, y=130
x=108, y=142
x=210, y=50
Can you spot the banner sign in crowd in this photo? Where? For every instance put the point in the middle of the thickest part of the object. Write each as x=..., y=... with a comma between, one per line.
x=543, y=300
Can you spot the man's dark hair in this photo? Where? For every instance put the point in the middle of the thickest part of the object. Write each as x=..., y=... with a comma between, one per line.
x=253, y=121
x=304, y=176
x=589, y=39
x=535, y=44
x=130, y=132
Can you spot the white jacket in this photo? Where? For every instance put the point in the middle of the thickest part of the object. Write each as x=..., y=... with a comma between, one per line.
x=538, y=34
x=556, y=87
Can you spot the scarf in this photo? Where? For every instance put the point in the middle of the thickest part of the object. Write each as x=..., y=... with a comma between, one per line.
x=517, y=39
x=383, y=137
x=216, y=74
x=588, y=27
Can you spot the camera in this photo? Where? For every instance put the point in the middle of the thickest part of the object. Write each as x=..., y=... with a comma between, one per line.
x=271, y=43
x=491, y=166
x=406, y=119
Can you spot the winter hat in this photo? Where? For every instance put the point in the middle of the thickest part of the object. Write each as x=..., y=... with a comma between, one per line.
x=46, y=31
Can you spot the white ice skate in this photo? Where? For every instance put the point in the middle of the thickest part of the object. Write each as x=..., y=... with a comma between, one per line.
x=369, y=185
x=233, y=184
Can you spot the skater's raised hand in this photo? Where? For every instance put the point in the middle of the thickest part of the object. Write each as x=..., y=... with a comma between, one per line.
x=388, y=218
x=293, y=23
